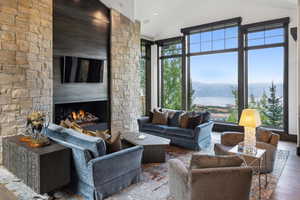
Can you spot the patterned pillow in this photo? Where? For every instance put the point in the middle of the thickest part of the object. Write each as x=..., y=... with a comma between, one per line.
x=173, y=117
x=160, y=117
x=114, y=144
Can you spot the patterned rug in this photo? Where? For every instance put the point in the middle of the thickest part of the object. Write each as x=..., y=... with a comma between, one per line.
x=154, y=184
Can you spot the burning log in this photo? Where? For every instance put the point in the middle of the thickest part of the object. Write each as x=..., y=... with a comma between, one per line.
x=82, y=117
x=73, y=125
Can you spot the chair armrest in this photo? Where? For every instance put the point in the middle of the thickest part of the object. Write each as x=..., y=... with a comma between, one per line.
x=178, y=179
x=231, y=138
x=204, y=129
x=228, y=179
x=108, y=167
x=142, y=121
x=82, y=154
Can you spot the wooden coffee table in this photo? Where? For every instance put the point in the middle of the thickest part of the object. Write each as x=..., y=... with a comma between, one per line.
x=154, y=146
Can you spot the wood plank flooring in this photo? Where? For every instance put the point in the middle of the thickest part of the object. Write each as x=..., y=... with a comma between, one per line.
x=288, y=187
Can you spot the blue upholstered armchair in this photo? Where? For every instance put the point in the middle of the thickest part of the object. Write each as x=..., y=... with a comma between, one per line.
x=96, y=175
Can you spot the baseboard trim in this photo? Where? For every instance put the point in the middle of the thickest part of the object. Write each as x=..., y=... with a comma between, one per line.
x=298, y=151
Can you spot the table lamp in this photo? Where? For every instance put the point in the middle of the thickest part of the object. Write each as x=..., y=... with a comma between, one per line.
x=250, y=119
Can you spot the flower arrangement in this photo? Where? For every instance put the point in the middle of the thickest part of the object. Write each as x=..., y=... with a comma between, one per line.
x=35, y=125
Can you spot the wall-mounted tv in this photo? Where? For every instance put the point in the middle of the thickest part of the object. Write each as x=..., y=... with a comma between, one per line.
x=81, y=70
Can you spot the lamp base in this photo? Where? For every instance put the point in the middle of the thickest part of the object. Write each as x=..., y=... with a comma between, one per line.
x=250, y=141
x=250, y=150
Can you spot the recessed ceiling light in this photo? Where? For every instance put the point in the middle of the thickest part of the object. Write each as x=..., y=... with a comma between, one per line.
x=155, y=14
x=146, y=21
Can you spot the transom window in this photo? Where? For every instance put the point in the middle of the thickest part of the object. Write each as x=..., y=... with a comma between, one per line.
x=265, y=37
x=214, y=40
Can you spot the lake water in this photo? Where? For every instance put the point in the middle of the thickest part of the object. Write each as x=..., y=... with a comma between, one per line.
x=214, y=101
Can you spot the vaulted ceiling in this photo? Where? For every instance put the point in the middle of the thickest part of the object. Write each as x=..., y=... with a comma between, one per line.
x=164, y=18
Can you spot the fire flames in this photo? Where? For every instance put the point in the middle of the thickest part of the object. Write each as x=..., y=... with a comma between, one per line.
x=78, y=115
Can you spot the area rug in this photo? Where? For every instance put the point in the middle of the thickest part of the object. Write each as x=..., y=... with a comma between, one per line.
x=154, y=184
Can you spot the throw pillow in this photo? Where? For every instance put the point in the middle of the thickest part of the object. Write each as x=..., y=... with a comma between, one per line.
x=160, y=117
x=194, y=121
x=114, y=144
x=103, y=134
x=174, y=121
x=170, y=112
x=184, y=120
x=173, y=117
x=205, y=117
x=199, y=161
x=150, y=116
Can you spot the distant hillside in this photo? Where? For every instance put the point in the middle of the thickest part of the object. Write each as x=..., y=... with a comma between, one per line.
x=225, y=90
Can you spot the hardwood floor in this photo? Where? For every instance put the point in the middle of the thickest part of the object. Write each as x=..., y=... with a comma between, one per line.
x=288, y=187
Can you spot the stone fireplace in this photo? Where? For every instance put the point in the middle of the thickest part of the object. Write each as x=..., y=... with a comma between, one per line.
x=26, y=66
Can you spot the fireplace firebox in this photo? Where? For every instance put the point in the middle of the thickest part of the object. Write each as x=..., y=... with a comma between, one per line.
x=89, y=115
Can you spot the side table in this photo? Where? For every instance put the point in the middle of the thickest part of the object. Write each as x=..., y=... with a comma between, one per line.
x=42, y=169
x=258, y=156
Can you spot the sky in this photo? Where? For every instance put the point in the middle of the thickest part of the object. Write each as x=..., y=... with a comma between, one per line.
x=264, y=65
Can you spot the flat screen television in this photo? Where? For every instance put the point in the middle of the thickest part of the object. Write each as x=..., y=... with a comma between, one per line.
x=81, y=70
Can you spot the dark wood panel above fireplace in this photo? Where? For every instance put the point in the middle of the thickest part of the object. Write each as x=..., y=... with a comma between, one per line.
x=81, y=28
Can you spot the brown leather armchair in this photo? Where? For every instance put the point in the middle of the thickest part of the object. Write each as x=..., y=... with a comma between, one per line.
x=266, y=139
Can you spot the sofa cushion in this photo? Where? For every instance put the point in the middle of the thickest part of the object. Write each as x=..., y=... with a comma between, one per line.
x=199, y=161
x=154, y=128
x=183, y=132
x=95, y=145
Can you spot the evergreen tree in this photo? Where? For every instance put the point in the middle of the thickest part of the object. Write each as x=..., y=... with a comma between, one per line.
x=273, y=109
x=253, y=104
x=262, y=107
x=172, y=83
x=233, y=116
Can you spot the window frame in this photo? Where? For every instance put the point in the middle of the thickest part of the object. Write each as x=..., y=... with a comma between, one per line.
x=273, y=24
x=243, y=68
x=160, y=69
x=234, y=22
x=147, y=44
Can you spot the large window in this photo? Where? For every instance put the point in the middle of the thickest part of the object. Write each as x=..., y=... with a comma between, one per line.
x=225, y=67
x=230, y=67
x=265, y=53
x=171, y=73
x=145, y=74
x=214, y=85
x=213, y=70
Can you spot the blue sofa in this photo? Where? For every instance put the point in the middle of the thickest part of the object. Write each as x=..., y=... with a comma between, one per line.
x=95, y=174
x=195, y=139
